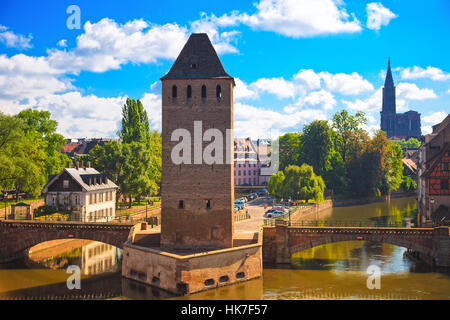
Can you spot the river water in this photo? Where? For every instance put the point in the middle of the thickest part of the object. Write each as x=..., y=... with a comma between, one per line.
x=332, y=271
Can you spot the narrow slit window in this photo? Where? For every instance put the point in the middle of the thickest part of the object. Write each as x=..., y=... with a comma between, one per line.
x=181, y=204
x=189, y=92
x=208, y=204
x=203, y=91
x=218, y=92
x=174, y=91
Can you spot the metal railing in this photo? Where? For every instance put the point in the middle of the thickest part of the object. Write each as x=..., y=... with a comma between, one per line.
x=339, y=223
x=241, y=216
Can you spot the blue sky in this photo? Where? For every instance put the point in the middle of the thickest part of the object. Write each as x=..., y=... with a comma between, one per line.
x=294, y=61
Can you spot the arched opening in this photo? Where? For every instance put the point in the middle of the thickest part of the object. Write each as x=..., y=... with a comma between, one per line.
x=92, y=257
x=189, y=92
x=352, y=255
x=174, y=91
x=203, y=92
x=218, y=92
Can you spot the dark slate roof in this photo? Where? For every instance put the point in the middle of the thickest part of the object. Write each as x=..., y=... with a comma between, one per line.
x=197, y=60
x=389, y=82
x=82, y=176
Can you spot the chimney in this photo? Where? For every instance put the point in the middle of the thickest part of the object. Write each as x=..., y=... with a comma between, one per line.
x=88, y=164
x=77, y=165
x=68, y=164
x=82, y=163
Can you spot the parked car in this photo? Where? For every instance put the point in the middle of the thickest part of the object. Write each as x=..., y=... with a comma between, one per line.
x=281, y=208
x=275, y=213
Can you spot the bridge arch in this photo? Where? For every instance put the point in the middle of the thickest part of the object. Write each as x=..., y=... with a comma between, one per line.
x=390, y=240
x=281, y=242
x=17, y=237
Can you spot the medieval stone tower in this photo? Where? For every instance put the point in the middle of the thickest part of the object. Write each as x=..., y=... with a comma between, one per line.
x=197, y=197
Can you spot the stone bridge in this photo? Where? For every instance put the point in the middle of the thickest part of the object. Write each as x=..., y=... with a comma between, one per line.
x=430, y=244
x=16, y=237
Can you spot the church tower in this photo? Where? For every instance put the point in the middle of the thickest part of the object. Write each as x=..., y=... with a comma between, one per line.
x=388, y=110
x=197, y=195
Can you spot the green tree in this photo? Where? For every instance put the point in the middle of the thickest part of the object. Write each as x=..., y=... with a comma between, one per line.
x=336, y=177
x=289, y=151
x=275, y=184
x=21, y=158
x=316, y=146
x=135, y=124
x=135, y=163
x=347, y=128
x=302, y=183
x=38, y=127
x=411, y=143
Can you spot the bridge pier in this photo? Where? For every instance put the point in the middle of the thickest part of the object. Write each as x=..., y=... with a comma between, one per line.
x=17, y=256
x=441, y=247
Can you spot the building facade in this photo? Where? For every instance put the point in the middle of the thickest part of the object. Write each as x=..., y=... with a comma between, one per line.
x=83, y=192
x=397, y=125
x=249, y=157
x=434, y=173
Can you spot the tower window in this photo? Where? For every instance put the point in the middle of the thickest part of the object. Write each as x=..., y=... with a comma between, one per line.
x=174, y=91
x=189, y=92
x=208, y=204
x=218, y=92
x=203, y=91
x=181, y=204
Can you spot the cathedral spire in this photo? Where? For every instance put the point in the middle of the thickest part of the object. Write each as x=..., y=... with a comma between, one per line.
x=389, y=82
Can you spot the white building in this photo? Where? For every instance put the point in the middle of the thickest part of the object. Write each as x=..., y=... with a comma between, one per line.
x=83, y=192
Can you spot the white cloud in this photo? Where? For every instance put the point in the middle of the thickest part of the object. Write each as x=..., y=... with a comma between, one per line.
x=321, y=99
x=25, y=77
x=62, y=43
x=13, y=40
x=243, y=91
x=308, y=78
x=295, y=18
x=427, y=129
x=107, y=45
x=432, y=73
x=276, y=86
x=152, y=104
x=348, y=84
x=434, y=117
x=370, y=104
x=250, y=121
x=410, y=91
x=378, y=15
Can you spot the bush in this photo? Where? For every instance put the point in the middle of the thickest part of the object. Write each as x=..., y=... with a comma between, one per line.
x=44, y=210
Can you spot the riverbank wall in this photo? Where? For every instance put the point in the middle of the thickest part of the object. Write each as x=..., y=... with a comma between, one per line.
x=367, y=200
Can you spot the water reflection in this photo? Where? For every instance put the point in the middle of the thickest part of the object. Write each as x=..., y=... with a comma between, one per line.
x=332, y=271
x=92, y=257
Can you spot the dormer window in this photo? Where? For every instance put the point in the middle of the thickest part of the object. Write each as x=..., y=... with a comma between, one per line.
x=193, y=66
